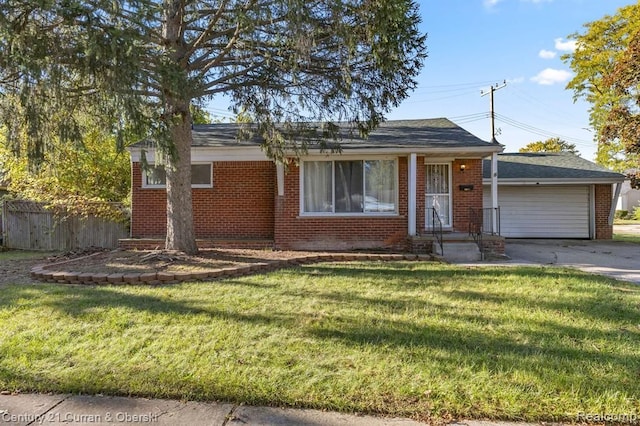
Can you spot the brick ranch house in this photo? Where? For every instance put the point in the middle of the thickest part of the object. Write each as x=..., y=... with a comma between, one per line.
x=379, y=193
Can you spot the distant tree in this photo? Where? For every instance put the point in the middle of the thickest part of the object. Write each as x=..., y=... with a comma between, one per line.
x=85, y=178
x=551, y=145
x=607, y=75
x=200, y=116
x=281, y=62
x=613, y=156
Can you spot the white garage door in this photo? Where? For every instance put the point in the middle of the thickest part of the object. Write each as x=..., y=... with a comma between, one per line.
x=542, y=211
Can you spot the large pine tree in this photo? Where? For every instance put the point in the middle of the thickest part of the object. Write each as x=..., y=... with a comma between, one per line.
x=280, y=62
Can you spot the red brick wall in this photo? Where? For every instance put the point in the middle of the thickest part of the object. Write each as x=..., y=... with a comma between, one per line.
x=463, y=200
x=149, y=208
x=603, y=194
x=338, y=233
x=240, y=204
x=421, y=201
x=243, y=203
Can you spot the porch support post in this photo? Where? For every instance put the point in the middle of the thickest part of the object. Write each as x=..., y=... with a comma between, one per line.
x=280, y=178
x=411, y=214
x=494, y=192
x=614, y=202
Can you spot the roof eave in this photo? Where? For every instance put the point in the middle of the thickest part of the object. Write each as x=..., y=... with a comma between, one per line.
x=252, y=151
x=572, y=181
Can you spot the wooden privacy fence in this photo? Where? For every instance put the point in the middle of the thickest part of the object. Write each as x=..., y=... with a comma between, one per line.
x=28, y=225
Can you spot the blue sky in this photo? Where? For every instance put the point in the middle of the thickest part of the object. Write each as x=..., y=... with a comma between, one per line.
x=473, y=44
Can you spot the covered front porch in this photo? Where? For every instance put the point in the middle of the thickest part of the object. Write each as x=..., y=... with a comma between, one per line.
x=445, y=213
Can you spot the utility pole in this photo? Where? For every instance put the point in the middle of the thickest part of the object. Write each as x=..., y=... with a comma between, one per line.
x=493, y=114
x=494, y=162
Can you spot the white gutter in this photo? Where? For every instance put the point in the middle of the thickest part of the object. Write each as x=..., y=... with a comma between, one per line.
x=256, y=154
x=520, y=182
x=280, y=178
x=494, y=192
x=411, y=215
x=614, y=203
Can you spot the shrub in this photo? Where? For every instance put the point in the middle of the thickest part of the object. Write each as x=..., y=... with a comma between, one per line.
x=621, y=214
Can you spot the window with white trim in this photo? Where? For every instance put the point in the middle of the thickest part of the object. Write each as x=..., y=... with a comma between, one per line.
x=156, y=176
x=350, y=187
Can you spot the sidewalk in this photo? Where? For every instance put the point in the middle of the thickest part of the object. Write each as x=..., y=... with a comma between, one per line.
x=36, y=409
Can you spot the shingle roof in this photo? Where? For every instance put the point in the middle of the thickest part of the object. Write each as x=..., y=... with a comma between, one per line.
x=428, y=133
x=548, y=165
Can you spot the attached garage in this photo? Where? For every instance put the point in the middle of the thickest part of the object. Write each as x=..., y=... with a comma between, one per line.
x=550, y=195
x=557, y=211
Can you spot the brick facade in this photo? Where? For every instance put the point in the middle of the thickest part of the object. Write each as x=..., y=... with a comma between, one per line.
x=240, y=204
x=296, y=232
x=603, y=200
x=244, y=204
x=464, y=200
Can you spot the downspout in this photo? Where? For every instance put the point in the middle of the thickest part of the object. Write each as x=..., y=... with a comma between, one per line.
x=411, y=214
x=614, y=202
x=280, y=178
x=494, y=193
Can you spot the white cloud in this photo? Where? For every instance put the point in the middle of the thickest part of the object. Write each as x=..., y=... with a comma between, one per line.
x=547, y=54
x=550, y=76
x=490, y=3
x=565, y=45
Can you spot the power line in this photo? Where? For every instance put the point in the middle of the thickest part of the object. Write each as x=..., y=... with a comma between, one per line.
x=440, y=98
x=469, y=118
x=540, y=132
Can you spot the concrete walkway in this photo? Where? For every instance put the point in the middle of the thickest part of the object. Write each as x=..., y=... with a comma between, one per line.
x=33, y=409
x=36, y=409
x=614, y=259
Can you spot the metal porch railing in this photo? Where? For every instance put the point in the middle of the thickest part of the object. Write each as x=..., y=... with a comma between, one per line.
x=436, y=229
x=484, y=221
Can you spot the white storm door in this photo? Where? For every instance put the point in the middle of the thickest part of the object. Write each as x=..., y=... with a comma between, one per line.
x=438, y=193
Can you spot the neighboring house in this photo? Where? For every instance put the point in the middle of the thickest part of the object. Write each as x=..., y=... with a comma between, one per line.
x=629, y=198
x=553, y=195
x=380, y=192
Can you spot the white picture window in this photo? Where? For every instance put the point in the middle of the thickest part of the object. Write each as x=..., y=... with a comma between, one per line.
x=201, y=176
x=350, y=187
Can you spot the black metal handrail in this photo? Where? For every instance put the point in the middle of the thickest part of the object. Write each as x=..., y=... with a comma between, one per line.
x=436, y=229
x=475, y=227
x=488, y=215
x=481, y=221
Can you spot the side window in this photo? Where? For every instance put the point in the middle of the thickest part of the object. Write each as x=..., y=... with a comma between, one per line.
x=201, y=176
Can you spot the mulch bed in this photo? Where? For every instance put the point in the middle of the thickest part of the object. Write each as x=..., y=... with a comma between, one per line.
x=162, y=266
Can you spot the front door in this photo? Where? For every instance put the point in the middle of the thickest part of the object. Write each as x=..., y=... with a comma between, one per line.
x=438, y=193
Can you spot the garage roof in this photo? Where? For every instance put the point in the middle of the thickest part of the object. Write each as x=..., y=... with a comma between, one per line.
x=549, y=166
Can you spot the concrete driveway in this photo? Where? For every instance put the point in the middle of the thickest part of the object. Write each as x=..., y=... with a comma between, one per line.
x=611, y=258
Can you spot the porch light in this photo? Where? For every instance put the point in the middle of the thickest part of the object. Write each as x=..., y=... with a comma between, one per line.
x=463, y=167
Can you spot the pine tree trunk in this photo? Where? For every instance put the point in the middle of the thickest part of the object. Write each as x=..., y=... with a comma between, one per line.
x=180, y=229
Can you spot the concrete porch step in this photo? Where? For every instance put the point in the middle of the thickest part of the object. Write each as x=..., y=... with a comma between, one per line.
x=458, y=251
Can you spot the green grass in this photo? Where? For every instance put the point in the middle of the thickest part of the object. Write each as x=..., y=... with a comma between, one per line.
x=427, y=341
x=22, y=255
x=626, y=222
x=627, y=238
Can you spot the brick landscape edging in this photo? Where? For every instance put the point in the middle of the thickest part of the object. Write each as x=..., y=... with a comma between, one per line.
x=42, y=273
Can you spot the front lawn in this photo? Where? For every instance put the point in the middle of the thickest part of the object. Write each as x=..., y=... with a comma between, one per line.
x=423, y=340
x=626, y=222
x=626, y=237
